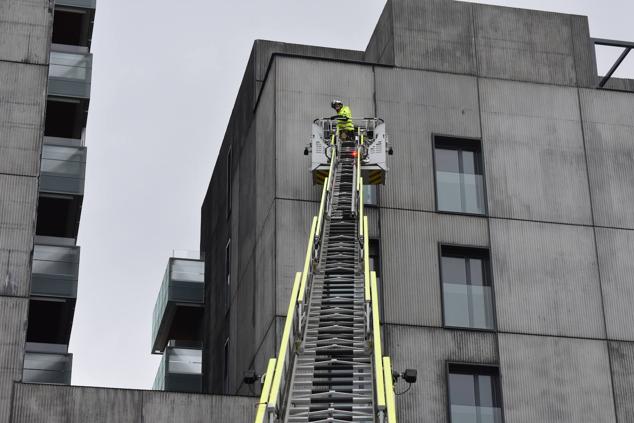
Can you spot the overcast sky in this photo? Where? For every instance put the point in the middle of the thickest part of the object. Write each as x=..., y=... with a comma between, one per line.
x=165, y=78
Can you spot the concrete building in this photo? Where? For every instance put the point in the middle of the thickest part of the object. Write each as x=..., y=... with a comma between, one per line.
x=503, y=236
x=507, y=158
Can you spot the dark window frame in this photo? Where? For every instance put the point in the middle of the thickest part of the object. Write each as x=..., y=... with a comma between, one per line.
x=481, y=368
x=481, y=252
x=460, y=143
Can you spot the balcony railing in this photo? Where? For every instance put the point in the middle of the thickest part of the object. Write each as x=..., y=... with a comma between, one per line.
x=70, y=71
x=55, y=271
x=180, y=370
x=47, y=363
x=83, y=4
x=63, y=168
x=179, y=303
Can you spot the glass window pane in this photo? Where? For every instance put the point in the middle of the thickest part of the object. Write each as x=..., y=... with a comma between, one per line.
x=485, y=390
x=370, y=195
x=456, y=305
x=475, y=268
x=473, y=186
x=462, y=389
x=454, y=270
x=480, y=307
x=447, y=160
x=468, y=162
x=448, y=191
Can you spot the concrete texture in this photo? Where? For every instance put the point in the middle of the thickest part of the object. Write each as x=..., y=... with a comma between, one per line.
x=615, y=248
x=434, y=35
x=64, y=404
x=13, y=321
x=608, y=123
x=428, y=350
x=304, y=90
x=555, y=380
x=410, y=248
x=17, y=228
x=533, y=152
x=524, y=45
x=416, y=105
x=25, y=31
x=546, y=279
x=293, y=221
x=22, y=105
x=622, y=360
x=380, y=48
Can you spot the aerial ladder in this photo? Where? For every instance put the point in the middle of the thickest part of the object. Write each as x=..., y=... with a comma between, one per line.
x=330, y=365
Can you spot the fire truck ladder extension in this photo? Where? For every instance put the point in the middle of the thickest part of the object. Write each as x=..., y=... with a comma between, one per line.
x=330, y=366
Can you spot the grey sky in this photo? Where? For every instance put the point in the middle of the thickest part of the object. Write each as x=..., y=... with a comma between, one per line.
x=165, y=78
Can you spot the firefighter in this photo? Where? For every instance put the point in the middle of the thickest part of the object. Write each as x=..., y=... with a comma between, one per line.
x=345, y=127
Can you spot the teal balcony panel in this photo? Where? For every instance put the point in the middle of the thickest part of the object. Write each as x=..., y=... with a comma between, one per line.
x=70, y=74
x=52, y=367
x=55, y=271
x=179, y=306
x=63, y=169
x=180, y=370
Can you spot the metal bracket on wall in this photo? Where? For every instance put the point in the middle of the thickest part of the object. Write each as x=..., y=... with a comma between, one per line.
x=626, y=45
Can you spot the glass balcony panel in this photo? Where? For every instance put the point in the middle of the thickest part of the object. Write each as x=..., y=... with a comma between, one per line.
x=474, y=194
x=474, y=414
x=70, y=74
x=55, y=271
x=184, y=361
x=83, y=4
x=449, y=191
x=468, y=306
x=63, y=169
x=47, y=368
x=182, y=290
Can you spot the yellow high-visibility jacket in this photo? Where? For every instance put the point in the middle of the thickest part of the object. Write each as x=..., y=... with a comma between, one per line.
x=345, y=125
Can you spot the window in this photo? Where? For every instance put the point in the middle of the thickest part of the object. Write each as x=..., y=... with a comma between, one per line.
x=228, y=275
x=229, y=183
x=370, y=195
x=474, y=394
x=459, y=176
x=466, y=287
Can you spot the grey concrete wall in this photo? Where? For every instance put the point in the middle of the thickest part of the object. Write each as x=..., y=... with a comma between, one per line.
x=304, y=90
x=17, y=228
x=13, y=318
x=534, y=154
x=489, y=41
x=409, y=246
x=22, y=105
x=65, y=404
x=429, y=350
x=615, y=248
x=546, y=279
x=25, y=31
x=415, y=106
x=608, y=124
x=555, y=380
x=380, y=48
x=622, y=361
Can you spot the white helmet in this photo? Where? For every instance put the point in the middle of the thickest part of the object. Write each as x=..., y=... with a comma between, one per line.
x=335, y=103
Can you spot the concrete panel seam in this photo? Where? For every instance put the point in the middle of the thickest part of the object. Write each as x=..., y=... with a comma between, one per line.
x=515, y=219
x=596, y=250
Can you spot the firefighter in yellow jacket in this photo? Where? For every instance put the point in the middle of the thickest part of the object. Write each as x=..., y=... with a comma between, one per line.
x=345, y=127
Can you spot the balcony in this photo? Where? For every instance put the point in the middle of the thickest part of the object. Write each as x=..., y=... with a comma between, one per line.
x=178, y=311
x=55, y=271
x=63, y=167
x=180, y=370
x=47, y=363
x=82, y=4
x=70, y=71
